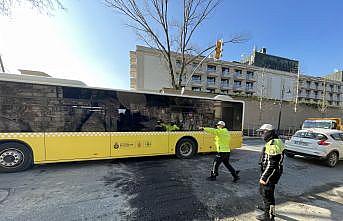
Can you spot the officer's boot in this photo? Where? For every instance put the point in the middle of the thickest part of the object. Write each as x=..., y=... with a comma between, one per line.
x=265, y=216
x=272, y=212
x=236, y=176
x=213, y=177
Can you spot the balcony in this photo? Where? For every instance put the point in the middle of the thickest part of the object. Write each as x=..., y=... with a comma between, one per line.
x=225, y=74
x=225, y=85
x=196, y=82
x=211, y=84
x=238, y=88
x=238, y=76
x=250, y=77
x=199, y=71
x=318, y=88
x=250, y=89
x=212, y=73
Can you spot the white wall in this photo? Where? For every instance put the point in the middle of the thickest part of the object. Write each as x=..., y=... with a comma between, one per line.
x=273, y=83
x=155, y=75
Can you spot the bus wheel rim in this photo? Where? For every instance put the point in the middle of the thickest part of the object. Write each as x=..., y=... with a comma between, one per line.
x=186, y=149
x=11, y=158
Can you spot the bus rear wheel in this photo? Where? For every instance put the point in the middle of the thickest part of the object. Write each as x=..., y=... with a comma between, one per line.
x=186, y=148
x=15, y=157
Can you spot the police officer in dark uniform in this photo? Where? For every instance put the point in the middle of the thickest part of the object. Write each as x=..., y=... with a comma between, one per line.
x=271, y=162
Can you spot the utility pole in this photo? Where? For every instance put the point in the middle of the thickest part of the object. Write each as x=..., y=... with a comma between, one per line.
x=261, y=97
x=190, y=77
x=280, y=107
x=2, y=65
x=323, y=104
x=297, y=92
x=280, y=104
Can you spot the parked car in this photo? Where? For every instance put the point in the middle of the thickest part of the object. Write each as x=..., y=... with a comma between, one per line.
x=323, y=144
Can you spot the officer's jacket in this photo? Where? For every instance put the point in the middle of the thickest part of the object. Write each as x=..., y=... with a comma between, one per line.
x=222, y=138
x=170, y=127
x=272, y=161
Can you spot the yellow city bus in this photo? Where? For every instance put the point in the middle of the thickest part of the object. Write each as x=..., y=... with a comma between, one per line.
x=43, y=122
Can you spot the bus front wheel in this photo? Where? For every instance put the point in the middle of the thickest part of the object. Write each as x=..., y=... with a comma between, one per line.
x=186, y=148
x=15, y=157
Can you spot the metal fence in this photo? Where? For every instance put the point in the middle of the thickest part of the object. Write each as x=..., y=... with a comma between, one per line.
x=284, y=133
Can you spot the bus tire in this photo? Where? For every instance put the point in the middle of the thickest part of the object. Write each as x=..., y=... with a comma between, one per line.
x=185, y=148
x=15, y=157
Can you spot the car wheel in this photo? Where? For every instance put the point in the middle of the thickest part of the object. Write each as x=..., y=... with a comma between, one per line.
x=185, y=148
x=288, y=154
x=15, y=157
x=332, y=159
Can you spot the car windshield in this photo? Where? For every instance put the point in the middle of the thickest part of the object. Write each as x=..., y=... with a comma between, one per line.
x=317, y=124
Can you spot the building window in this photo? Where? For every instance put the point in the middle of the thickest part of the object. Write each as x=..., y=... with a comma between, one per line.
x=211, y=80
x=250, y=74
x=225, y=71
x=196, y=78
x=210, y=90
x=330, y=102
x=307, y=93
x=308, y=83
x=197, y=89
x=211, y=68
x=225, y=81
x=249, y=85
x=237, y=83
x=238, y=71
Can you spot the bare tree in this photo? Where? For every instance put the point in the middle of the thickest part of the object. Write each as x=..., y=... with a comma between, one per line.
x=41, y=5
x=152, y=21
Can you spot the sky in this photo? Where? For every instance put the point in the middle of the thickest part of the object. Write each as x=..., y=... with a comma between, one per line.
x=90, y=42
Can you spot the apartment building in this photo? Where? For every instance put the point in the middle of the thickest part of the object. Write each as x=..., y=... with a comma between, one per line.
x=270, y=79
x=318, y=89
x=148, y=71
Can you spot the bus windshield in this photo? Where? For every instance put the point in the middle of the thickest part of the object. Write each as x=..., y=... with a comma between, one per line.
x=317, y=124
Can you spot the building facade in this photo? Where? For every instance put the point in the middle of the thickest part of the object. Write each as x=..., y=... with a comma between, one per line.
x=262, y=59
x=320, y=91
x=149, y=72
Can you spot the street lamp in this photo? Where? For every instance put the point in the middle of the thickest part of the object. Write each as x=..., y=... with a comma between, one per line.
x=280, y=105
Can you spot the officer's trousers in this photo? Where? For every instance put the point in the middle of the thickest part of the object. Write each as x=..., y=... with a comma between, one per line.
x=222, y=157
x=267, y=193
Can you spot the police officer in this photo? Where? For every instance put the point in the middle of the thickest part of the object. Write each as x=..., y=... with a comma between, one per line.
x=271, y=162
x=222, y=138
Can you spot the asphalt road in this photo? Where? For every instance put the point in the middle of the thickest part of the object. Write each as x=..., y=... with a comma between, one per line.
x=167, y=188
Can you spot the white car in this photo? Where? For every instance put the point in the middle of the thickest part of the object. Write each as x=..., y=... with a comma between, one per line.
x=324, y=144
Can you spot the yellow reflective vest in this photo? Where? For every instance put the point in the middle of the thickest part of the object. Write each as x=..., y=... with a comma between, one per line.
x=170, y=127
x=222, y=138
x=274, y=147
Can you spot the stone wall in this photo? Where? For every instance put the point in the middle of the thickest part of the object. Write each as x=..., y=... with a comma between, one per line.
x=289, y=119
